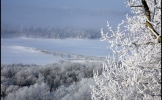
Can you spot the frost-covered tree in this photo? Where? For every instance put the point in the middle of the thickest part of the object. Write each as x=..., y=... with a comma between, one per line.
x=135, y=71
x=62, y=80
x=34, y=92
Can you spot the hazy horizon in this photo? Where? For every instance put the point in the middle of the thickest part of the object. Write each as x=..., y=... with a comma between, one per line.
x=80, y=14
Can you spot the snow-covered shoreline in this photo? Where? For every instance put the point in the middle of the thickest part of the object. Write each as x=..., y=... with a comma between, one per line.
x=22, y=50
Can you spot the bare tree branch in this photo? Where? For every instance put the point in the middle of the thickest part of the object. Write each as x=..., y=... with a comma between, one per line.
x=148, y=24
x=137, y=6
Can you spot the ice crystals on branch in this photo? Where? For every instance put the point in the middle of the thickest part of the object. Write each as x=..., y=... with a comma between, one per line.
x=135, y=74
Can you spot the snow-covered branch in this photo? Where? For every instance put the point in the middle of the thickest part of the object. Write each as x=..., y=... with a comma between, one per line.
x=135, y=75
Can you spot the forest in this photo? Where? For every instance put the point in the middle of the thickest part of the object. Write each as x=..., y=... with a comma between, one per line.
x=49, y=32
x=63, y=80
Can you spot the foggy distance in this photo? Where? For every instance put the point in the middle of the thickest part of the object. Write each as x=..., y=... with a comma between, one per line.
x=52, y=13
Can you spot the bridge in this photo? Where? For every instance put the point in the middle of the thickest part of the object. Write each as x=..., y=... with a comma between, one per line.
x=71, y=56
x=68, y=56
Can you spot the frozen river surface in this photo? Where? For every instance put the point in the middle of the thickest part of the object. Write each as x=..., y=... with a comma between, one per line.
x=13, y=51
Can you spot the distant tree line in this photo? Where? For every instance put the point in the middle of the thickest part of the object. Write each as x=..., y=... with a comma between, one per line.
x=49, y=32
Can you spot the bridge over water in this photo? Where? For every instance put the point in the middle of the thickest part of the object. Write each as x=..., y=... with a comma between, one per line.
x=63, y=54
x=71, y=56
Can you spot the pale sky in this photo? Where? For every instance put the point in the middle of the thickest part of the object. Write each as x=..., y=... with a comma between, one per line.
x=63, y=13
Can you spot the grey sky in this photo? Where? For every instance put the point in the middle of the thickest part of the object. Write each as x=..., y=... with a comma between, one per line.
x=63, y=13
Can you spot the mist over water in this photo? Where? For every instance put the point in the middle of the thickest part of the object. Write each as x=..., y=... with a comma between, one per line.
x=77, y=14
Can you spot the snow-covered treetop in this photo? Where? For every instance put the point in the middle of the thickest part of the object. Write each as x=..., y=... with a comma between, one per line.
x=135, y=75
x=139, y=35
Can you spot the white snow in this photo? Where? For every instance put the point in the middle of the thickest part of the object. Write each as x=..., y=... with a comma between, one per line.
x=19, y=50
x=18, y=54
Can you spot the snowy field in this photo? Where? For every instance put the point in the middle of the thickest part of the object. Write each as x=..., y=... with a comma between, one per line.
x=14, y=50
